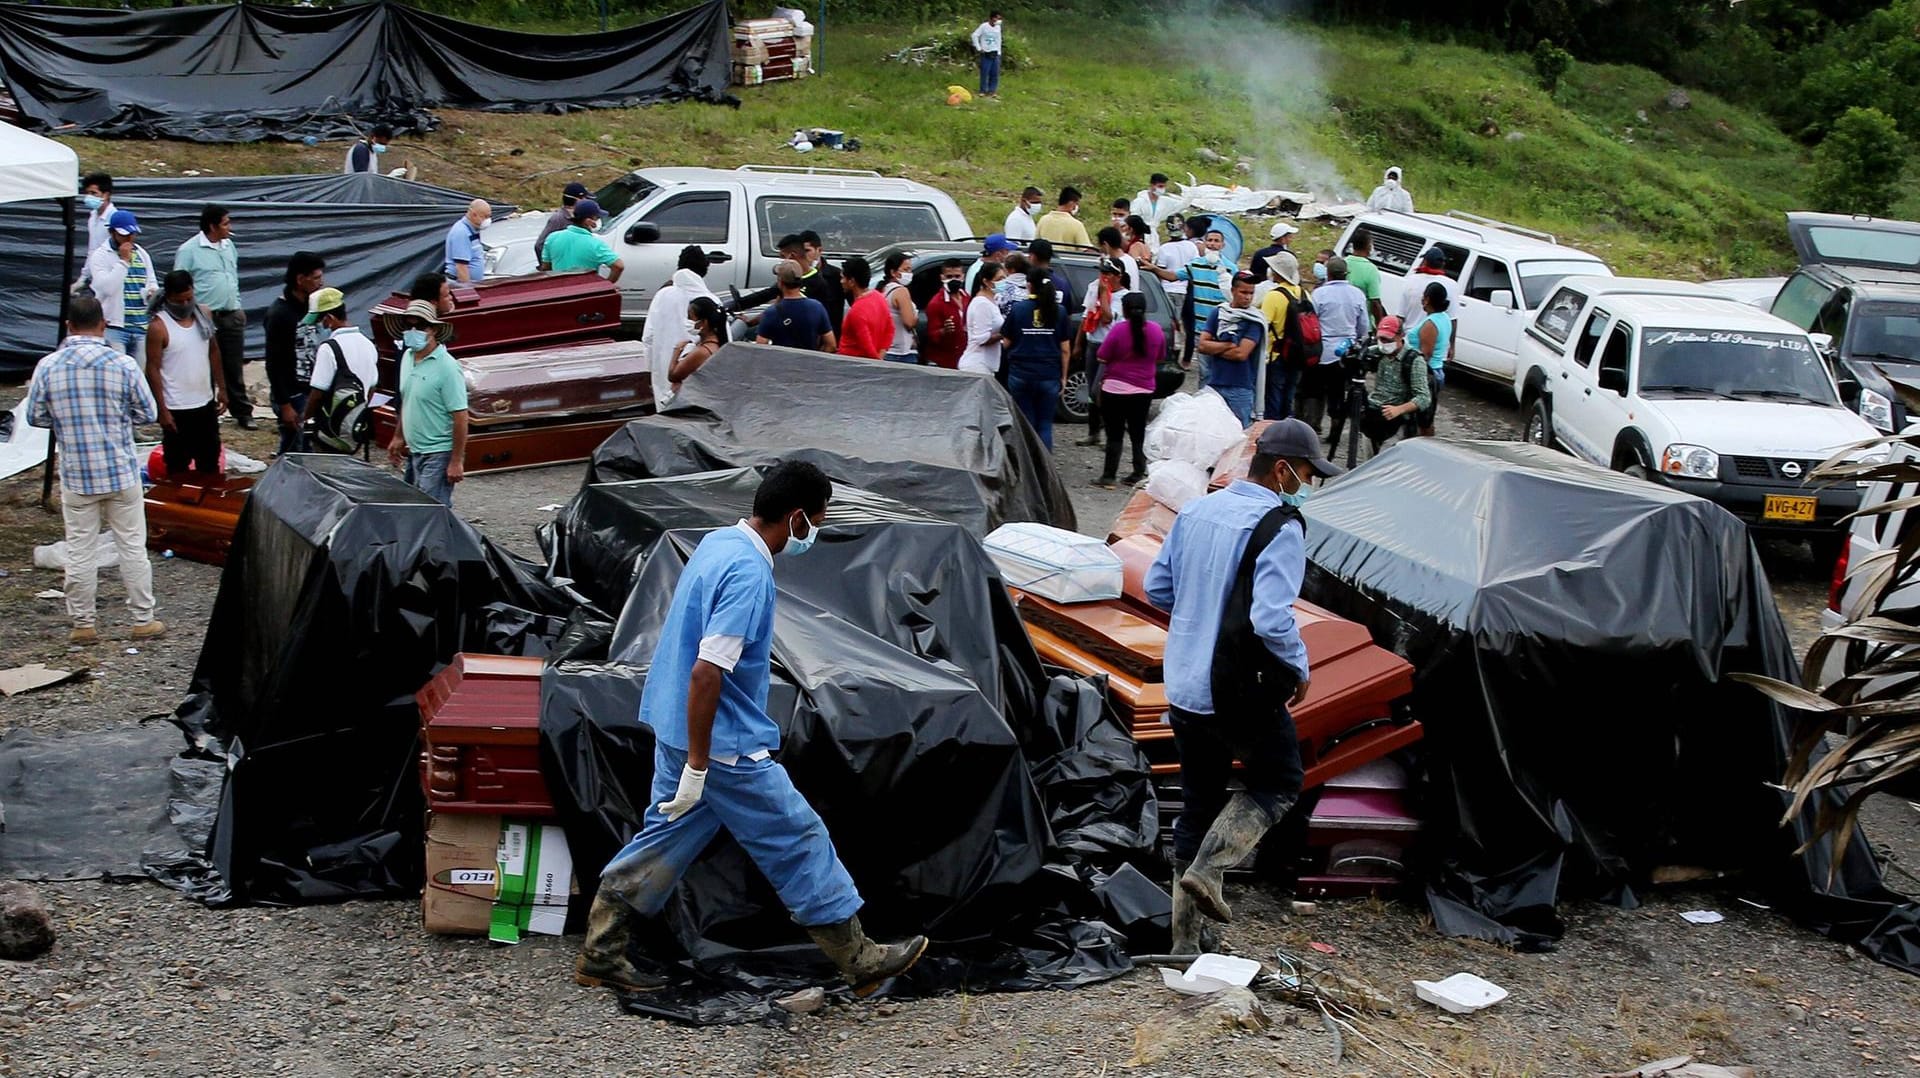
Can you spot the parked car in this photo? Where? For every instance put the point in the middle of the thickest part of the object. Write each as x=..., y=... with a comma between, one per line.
x=1505, y=273
x=1752, y=291
x=1081, y=265
x=1859, y=284
x=738, y=215
x=1679, y=385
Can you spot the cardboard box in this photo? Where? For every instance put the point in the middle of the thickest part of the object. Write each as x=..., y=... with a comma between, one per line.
x=496, y=877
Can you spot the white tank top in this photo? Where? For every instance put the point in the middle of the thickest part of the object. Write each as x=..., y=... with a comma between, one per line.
x=185, y=378
x=902, y=336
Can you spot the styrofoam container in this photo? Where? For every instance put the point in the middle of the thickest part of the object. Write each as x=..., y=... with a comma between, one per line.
x=1211, y=973
x=1462, y=993
x=1055, y=564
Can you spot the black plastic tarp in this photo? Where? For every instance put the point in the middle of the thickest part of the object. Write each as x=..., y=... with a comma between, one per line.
x=1572, y=630
x=376, y=233
x=970, y=796
x=948, y=442
x=78, y=806
x=244, y=72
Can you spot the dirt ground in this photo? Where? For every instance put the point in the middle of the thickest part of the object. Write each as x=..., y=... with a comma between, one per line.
x=146, y=982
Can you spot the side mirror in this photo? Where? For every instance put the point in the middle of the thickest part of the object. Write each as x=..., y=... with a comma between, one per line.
x=643, y=232
x=1502, y=298
x=1849, y=390
x=1613, y=379
x=1822, y=343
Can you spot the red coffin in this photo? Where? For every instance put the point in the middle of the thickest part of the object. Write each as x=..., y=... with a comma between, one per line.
x=195, y=519
x=480, y=722
x=509, y=314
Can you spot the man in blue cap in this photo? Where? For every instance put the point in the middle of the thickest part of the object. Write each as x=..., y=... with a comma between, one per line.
x=559, y=219
x=577, y=248
x=995, y=250
x=122, y=276
x=1228, y=575
x=705, y=700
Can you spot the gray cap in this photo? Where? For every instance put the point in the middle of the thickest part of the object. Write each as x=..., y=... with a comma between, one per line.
x=1293, y=439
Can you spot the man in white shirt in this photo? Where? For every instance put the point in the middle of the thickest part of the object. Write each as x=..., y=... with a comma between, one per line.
x=341, y=345
x=1019, y=226
x=986, y=42
x=1390, y=195
x=1153, y=205
x=97, y=191
x=667, y=319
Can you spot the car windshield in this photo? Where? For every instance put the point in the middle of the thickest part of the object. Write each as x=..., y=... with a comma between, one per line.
x=1758, y=366
x=1886, y=331
x=615, y=197
x=1539, y=279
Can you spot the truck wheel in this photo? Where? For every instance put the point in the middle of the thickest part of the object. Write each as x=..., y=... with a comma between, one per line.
x=1538, y=429
x=1637, y=467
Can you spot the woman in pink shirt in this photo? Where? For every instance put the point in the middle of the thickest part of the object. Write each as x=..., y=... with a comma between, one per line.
x=1128, y=359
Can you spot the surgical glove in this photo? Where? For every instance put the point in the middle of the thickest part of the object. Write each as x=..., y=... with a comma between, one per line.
x=692, y=785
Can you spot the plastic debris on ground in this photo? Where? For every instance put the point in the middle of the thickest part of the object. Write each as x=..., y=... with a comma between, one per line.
x=34, y=676
x=1684, y=1067
x=1571, y=625
x=1193, y=427
x=1702, y=917
x=1462, y=993
x=1211, y=973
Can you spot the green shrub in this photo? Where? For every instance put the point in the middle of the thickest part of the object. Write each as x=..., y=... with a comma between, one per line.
x=951, y=44
x=1856, y=168
x=1550, y=63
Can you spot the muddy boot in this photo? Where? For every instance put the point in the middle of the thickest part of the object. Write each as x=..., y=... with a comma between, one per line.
x=1231, y=840
x=864, y=963
x=1191, y=932
x=603, y=959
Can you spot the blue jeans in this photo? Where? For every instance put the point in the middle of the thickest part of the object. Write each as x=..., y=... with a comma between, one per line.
x=292, y=439
x=428, y=471
x=1036, y=398
x=989, y=72
x=1239, y=400
x=1436, y=378
x=901, y=357
x=132, y=342
x=757, y=804
x=1282, y=380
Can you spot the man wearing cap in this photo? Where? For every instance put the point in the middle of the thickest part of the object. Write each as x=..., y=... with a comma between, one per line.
x=796, y=320
x=1228, y=577
x=1235, y=343
x=1282, y=297
x=214, y=262
x=1282, y=234
x=576, y=248
x=1401, y=390
x=1019, y=226
x=817, y=284
x=122, y=277
x=291, y=341
x=345, y=356
x=994, y=250
x=431, y=437
x=466, y=256
x=559, y=219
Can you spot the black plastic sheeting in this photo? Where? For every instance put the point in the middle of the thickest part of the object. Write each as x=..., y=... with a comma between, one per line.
x=1573, y=630
x=246, y=72
x=376, y=233
x=949, y=442
x=82, y=806
x=972, y=797
x=344, y=591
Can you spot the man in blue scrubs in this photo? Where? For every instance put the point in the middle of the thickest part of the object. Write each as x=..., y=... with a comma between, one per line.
x=706, y=702
x=1228, y=575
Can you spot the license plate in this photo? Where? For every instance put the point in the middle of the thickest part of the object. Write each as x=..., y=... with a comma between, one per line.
x=1792, y=507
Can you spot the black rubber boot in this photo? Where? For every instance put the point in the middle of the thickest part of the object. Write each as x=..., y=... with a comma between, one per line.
x=864, y=963
x=1231, y=840
x=603, y=961
x=1190, y=931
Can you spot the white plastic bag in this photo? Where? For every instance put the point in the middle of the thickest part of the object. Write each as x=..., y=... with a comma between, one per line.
x=1195, y=427
x=1174, y=483
x=54, y=555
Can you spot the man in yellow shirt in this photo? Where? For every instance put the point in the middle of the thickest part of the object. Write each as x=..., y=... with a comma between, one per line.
x=1063, y=224
x=1283, y=374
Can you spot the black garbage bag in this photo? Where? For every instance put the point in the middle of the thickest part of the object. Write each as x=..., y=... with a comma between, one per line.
x=1572, y=632
x=948, y=442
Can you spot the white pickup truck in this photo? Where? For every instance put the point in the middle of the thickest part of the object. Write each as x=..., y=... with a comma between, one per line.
x=1683, y=386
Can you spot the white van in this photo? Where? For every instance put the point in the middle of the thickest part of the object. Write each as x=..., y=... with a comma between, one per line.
x=737, y=215
x=1504, y=272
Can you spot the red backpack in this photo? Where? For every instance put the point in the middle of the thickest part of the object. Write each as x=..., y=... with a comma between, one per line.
x=1300, y=337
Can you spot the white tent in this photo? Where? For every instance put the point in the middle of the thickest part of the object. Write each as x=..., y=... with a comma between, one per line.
x=32, y=167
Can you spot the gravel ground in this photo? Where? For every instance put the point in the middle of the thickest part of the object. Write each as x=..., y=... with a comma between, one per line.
x=145, y=982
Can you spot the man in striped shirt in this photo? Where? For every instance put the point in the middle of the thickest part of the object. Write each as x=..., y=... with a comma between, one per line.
x=91, y=397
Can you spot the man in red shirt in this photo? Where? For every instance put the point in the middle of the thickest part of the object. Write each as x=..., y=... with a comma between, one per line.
x=947, y=318
x=867, y=329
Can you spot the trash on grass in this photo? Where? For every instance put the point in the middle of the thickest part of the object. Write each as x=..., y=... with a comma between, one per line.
x=1462, y=993
x=1324, y=948
x=1702, y=917
x=34, y=676
x=1211, y=973
x=50, y=593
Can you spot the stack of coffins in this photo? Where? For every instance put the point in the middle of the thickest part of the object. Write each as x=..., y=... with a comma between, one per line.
x=768, y=50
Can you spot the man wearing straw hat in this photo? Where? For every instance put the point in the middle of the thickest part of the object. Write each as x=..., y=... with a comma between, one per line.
x=431, y=437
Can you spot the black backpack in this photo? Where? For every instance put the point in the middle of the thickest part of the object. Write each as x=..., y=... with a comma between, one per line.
x=342, y=422
x=1247, y=678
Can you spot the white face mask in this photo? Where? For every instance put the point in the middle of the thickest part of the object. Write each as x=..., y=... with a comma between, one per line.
x=1393, y=184
x=1159, y=191
x=482, y=226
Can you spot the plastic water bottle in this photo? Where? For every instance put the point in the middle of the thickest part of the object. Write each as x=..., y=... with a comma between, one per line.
x=310, y=140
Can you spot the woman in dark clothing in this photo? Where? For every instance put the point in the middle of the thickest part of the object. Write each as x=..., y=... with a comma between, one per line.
x=1128, y=360
x=1039, y=337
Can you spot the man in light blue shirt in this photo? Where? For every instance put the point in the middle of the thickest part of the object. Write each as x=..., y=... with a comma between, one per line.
x=466, y=259
x=1228, y=576
x=214, y=262
x=706, y=701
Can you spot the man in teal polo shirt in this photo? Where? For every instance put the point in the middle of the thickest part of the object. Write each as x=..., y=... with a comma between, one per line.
x=577, y=248
x=431, y=437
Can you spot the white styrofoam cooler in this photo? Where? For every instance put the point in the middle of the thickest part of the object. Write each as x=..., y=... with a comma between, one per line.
x=1055, y=564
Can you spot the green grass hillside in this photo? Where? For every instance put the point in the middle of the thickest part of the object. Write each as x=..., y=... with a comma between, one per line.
x=1692, y=191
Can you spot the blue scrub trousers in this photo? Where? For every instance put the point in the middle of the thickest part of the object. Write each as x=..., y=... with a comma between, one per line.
x=757, y=804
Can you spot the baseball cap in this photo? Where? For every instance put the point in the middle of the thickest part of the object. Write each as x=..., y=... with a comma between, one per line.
x=1283, y=229
x=999, y=244
x=124, y=221
x=1292, y=439
x=1434, y=256
x=576, y=189
x=586, y=208
x=327, y=299
x=1389, y=328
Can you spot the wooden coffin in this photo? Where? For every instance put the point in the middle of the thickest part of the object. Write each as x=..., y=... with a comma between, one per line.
x=508, y=315
x=195, y=519
x=480, y=733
